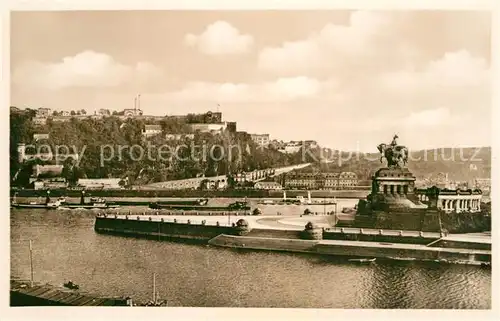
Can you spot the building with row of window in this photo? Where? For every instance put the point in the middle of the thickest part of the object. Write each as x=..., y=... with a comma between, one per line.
x=99, y=183
x=260, y=139
x=269, y=186
x=319, y=181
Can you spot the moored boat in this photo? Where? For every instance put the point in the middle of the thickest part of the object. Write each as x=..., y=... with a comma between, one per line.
x=99, y=203
x=365, y=261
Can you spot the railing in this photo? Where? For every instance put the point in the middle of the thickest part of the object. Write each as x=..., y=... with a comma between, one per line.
x=368, y=231
x=148, y=218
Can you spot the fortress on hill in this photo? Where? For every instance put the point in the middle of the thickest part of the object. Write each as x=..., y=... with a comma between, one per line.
x=395, y=203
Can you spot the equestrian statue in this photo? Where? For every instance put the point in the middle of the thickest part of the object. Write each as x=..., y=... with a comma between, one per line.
x=396, y=155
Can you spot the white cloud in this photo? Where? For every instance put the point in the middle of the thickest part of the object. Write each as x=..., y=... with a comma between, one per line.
x=428, y=118
x=330, y=46
x=86, y=69
x=220, y=38
x=280, y=90
x=457, y=69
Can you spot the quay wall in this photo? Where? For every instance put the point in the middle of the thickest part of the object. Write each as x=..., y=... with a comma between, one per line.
x=284, y=234
x=384, y=238
x=349, y=249
x=334, y=243
x=462, y=245
x=423, y=253
x=141, y=227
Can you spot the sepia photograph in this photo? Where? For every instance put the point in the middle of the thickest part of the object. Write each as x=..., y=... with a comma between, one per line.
x=310, y=159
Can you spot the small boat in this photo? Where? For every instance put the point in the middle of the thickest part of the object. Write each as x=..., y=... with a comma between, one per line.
x=198, y=202
x=363, y=260
x=99, y=203
x=50, y=205
x=72, y=286
x=402, y=258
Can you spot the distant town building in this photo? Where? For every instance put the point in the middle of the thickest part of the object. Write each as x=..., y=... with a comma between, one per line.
x=39, y=136
x=65, y=113
x=39, y=120
x=243, y=177
x=268, y=185
x=132, y=112
x=331, y=180
x=482, y=183
x=214, y=128
x=260, y=139
x=294, y=146
x=214, y=184
x=104, y=112
x=151, y=130
x=231, y=127
x=60, y=119
x=47, y=170
x=318, y=181
x=348, y=179
x=49, y=183
x=43, y=112
x=179, y=136
x=100, y=183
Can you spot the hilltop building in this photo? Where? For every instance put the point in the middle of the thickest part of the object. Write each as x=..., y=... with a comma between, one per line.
x=151, y=130
x=260, y=139
x=39, y=136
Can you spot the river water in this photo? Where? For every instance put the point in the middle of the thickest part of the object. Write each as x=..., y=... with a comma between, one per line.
x=65, y=247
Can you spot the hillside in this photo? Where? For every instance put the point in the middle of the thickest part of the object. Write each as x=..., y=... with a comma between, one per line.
x=93, y=136
x=460, y=164
x=98, y=139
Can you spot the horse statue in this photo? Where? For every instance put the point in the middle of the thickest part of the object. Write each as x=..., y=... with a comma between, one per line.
x=394, y=154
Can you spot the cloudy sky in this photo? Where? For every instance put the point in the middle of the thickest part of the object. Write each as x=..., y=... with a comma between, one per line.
x=348, y=79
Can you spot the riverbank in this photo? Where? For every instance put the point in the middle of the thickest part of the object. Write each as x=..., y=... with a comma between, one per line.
x=253, y=233
x=137, y=193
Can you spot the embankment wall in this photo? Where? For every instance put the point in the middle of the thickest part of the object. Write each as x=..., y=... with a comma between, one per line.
x=142, y=227
x=377, y=238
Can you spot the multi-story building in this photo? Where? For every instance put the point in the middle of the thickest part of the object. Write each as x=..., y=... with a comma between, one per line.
x=179, y=136
x=151, y=130
x=260, y=139
x=43, y=112
x=268, y=185
x=39, y=120
x=214, y=128
x=132, y=112
x=40, y=136
x=47, y=170
x=347, y=179
x=331, y=180
x=100, y=183
x=316, y=181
